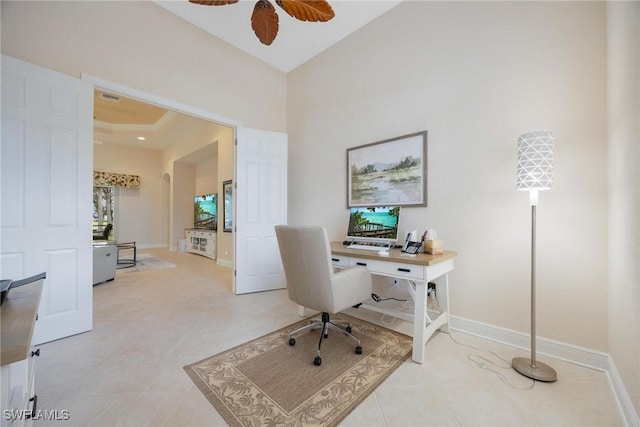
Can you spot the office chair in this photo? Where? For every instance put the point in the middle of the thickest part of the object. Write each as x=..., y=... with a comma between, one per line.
x=312, y=283
x=105, y=233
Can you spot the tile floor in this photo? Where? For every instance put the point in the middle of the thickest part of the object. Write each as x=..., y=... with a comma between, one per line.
x=148, y=325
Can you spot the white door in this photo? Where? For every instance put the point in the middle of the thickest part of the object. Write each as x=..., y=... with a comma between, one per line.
x=46, y=180
x=260, y=194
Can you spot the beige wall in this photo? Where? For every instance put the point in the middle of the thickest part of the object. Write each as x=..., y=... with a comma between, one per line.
x=141, y=45
x=624, y=192
x=475, y=75
x=142, y=212
x=184, y=188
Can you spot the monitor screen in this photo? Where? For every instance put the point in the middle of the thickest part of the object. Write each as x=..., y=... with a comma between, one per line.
x=205, y=211
x=374, y=223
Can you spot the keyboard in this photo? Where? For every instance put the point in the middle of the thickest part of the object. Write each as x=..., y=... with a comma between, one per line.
x=367, y=247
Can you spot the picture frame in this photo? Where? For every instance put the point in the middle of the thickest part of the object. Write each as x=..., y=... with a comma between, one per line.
x=227, y=206
x=392, y=172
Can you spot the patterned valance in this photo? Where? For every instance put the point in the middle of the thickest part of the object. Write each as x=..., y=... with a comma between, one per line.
x=109, y=179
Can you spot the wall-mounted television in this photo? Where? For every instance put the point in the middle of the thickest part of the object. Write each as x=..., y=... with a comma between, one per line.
x=205, y=211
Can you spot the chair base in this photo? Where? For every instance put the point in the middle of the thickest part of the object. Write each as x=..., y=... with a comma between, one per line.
x=325, y=324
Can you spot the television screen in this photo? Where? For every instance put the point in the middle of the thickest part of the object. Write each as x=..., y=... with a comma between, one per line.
x=374, y=223
x=205, y=212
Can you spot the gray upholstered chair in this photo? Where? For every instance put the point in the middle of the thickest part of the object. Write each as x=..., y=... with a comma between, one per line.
x=312, y=283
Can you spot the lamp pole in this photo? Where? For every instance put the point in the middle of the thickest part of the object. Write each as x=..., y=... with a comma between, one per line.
x=535, y=153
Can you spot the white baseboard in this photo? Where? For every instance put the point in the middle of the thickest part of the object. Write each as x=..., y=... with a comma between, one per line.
x=225, y=262
x=152, y=246
x=571, y=353
x=559, y=350
x=625, y=404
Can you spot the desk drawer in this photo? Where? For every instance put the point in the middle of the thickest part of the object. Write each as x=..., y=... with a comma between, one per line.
x=389, y=268
x=340, y=261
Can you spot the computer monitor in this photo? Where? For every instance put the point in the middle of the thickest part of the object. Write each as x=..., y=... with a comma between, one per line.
x=374, y=224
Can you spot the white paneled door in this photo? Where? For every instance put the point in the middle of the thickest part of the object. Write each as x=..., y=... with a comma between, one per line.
x=46, y=184
x=260, y=194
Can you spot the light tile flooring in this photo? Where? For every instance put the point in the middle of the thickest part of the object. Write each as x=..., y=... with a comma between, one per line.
x=149, y=324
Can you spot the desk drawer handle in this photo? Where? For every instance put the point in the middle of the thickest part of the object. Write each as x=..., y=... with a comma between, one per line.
x=406, y=270
x=364, y=264
x=335, y=259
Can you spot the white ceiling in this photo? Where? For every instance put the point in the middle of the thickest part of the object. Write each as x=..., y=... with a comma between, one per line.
x=297, y=41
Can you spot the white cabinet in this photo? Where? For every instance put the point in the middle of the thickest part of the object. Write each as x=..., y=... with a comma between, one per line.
x=201, y=242
x=17, y=395
x=105, y=259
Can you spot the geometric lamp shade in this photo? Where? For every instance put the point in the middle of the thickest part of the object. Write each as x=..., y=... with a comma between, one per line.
x=535, y=160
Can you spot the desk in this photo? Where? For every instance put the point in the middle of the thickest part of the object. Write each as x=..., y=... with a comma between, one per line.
x=417, y=270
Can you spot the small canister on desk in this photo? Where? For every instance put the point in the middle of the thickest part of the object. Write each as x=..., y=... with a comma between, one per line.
x=432, y=245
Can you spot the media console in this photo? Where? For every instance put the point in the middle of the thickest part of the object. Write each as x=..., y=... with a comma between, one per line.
x=201, y=242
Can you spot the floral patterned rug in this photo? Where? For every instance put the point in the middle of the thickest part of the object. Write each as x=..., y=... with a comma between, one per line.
x=268, y=382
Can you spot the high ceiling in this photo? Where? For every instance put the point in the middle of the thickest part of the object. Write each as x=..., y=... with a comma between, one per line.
x=296, y=42
x=120, y=120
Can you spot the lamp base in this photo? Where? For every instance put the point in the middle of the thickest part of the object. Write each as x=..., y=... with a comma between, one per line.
x=541, y=372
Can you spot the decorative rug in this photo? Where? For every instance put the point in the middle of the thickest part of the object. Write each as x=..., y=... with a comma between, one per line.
x=145, y=262
x=268, y=382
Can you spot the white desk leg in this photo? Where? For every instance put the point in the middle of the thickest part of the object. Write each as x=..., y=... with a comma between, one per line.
x=419, y=319
x=444, y=300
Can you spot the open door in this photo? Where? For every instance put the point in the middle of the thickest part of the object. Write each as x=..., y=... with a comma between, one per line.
x=47, y=162
x=260, y=194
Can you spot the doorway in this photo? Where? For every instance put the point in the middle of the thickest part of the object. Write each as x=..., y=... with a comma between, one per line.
x=128, y=125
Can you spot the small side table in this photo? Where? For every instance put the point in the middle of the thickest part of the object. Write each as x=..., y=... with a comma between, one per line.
x=126, y=262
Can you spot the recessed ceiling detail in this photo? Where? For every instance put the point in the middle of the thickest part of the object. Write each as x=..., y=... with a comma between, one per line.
x=124, y=111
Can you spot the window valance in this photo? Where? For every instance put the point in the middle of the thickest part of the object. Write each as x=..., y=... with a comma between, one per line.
x=109, y=179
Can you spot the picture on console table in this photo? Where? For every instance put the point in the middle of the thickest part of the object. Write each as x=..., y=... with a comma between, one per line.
x=392, y=172
x=227, y=207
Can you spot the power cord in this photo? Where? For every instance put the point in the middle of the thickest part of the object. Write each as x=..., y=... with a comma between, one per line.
x=376, y=298
x=483, y=363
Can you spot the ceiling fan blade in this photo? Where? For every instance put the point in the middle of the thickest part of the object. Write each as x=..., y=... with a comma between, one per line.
x=213, y=2
x=264, y=21
x=308, y=10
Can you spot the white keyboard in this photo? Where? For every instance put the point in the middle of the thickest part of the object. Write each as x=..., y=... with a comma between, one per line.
x=367, y=247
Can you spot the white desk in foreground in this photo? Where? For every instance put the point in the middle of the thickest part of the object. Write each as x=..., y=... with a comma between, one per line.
x=418, y=270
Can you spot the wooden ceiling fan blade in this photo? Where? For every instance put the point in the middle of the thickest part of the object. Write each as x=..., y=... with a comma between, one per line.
x=213, y=2
x=308, y=10
x=264, y=22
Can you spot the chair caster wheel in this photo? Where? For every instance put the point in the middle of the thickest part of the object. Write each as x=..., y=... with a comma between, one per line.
x=317, y=361
x=292, y=342
x=348, y=329
x=326, y=336
x=358, y=350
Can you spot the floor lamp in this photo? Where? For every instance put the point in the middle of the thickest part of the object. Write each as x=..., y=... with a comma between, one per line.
x=534, y=173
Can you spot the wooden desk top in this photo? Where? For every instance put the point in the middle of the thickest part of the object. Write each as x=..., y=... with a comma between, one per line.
x=395, y=255
x=19, y=311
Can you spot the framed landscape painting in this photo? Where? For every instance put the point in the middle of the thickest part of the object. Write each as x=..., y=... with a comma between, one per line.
x=392, y=172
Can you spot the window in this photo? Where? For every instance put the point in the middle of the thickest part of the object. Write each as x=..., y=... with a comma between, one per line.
x=104, y=208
